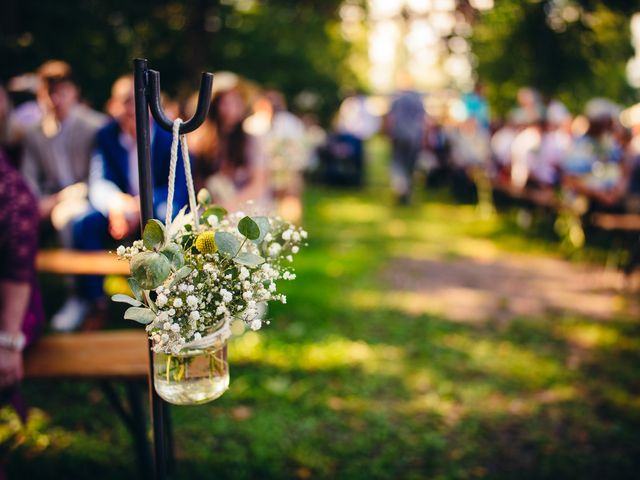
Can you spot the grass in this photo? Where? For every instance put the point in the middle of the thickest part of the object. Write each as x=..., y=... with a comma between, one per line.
x=345, y=384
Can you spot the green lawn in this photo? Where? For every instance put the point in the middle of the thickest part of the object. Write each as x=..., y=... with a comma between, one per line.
x=346, y=383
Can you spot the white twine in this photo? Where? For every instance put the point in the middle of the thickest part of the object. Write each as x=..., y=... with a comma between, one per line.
x=193, y=205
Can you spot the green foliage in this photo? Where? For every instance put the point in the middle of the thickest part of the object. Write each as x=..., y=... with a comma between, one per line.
x=519, y=44
x=264, y=225
x=174, y=254
x=150, y=269
x=153, y=234
x=134, y=286
x=256, y=39
x=249, y=228
x=120, y=297
x=216, y=211
x=248, y=259
x=180, y=274
x=228, y=244
x=140, y=315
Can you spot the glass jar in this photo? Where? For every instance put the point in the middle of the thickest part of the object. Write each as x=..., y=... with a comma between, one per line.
x=196, y=375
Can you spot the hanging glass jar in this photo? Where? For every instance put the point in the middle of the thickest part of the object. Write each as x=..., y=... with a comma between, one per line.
x=198, y=374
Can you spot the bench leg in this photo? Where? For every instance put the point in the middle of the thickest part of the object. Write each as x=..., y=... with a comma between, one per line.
x=169, y=445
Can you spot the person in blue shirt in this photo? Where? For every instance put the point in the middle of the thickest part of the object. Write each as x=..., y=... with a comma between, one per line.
x=114, y=191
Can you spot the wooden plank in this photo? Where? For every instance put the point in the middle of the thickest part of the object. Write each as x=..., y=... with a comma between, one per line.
x=91, y=355
x=616, y=221
x=74, y=262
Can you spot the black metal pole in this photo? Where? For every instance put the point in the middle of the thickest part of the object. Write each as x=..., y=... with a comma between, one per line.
x=143, y=139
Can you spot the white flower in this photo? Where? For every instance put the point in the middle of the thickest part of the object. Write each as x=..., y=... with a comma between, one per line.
x=212, y=220
x=272, y=287
x=304, y=234
x=283, y=298
x=296, y=237
x=190, y=288
x=247, y=295
x=171, y=312
x=197, y=336
x=192, y=301
x=182, y=287
x=134, y=251
x=120, y=251
x=177, y=302
x=208, y=268
x=286, y=235
x=295, y=249
x=274, y=249
x=167, y=326
x=226, y=295
x=195, y=315
x=256, y=324
x=268, y=237
x=161, y=300
x=175, y=328
x=244, y=273
x=290, y=258
x=221, y=310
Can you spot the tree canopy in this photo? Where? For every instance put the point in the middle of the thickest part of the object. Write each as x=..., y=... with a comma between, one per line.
x=292, y=46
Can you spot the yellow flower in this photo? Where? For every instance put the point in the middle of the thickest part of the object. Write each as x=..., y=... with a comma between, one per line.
x=206, y=243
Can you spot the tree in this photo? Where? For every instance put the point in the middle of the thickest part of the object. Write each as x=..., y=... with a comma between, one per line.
x=567, y=49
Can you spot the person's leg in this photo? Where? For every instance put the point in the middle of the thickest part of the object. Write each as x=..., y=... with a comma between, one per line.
x=90, y=232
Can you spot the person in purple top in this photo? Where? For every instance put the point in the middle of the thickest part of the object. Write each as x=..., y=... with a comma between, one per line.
x=21, y=312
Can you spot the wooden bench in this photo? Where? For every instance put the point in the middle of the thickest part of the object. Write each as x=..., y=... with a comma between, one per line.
x=106, y=357
x=75, y=262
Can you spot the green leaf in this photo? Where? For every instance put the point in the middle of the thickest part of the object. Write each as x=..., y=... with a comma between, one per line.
x=153, y=235
x=227, y=243
x=120, y=297
x=216, y=211
x=265, y=226
x=180, y=274
x=249, y=228
x=150, y=269
x=174, y=254
x=140, y=315
x=249, y=259
x=135, y=288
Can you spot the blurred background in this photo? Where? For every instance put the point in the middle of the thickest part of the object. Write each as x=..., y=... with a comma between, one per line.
x=468, y=172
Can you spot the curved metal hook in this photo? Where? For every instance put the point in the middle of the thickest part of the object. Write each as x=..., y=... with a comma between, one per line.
x=204, y=99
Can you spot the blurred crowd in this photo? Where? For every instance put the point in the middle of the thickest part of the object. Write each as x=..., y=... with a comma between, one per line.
x=69, y=173
x=543, y=149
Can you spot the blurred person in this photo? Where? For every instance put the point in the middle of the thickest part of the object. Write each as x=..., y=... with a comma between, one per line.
x=56, y=152
x=554, y=146
x=405, y=125
x=478, y=107
x=21, y=313
x=228, y=160
x=114, y=189
x=593, y=165
x=524, y=151
x=56, y=165
x=282, y=139
x=355, y=118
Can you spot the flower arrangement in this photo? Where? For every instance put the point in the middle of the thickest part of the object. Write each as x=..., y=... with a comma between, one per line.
x=201, y=272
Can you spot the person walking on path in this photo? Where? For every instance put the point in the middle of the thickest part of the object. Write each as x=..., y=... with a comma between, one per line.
x=406, y=128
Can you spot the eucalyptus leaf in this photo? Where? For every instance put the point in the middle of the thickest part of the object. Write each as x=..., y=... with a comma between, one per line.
x=153, y=234
x=119, y=297
x=249, y=259
x=265, y=226
x=180, y=274
x=174, y=254
x=227, y=244
x=134, y=286
x=217, y=211
x=140, y=315
x=150, y=269
x=249, y=228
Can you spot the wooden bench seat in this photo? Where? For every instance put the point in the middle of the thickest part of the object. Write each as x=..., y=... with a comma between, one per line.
x=629, y=222
x=90, y=355
x=75, y=262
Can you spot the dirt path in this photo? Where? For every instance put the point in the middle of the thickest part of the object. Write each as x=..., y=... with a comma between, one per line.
x=471, y=289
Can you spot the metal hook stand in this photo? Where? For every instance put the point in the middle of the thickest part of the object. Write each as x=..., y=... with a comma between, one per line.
x=147, y=98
